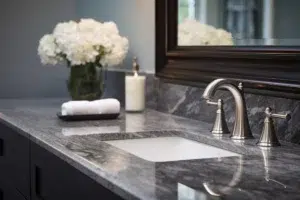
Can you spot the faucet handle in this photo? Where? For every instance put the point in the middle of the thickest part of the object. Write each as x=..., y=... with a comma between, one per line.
x=220, y=126
x=241, y=86
x=268, y=137
x=214, y=103
x=269, y=113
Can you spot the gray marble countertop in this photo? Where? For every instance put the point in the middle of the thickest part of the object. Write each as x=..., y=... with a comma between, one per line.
x=257, y=174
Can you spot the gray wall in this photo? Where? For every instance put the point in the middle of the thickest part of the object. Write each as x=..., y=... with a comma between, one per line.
x=135, y=19
x=23, y=23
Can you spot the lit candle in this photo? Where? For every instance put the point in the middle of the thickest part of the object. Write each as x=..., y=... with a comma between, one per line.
x=135, y=90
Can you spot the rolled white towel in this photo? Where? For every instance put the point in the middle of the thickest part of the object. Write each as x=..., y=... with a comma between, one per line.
x=75, y=108
x=104, y=106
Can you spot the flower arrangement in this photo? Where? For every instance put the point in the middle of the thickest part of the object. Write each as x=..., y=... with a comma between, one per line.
x=193, y=33
x=87, y=41
x=86, y=46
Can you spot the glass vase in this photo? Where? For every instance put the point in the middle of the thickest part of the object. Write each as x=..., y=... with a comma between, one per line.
x=86, y=82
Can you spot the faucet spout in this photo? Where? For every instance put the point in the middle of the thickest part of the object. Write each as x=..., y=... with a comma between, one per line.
x=211, y=88
x=241, y=128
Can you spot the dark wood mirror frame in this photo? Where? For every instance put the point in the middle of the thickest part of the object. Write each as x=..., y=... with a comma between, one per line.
x=273, y=70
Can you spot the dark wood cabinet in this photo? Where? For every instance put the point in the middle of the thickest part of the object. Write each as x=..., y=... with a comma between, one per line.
x=30, y=172
x=14, y=159
x=53, y=178
x=8, y=192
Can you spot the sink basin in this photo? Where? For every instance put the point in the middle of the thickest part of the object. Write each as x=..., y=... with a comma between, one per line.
x=164, y=149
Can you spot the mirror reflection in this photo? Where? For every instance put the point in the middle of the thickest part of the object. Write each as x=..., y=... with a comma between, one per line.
x=238, y=22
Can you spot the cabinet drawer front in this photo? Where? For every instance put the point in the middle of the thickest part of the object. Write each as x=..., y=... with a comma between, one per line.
x=14, y=159
x=1, y=148
x=3, y=162
x=54, y=179
x=9, y=193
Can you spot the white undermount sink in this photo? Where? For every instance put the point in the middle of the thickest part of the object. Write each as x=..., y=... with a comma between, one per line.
x=163, y=149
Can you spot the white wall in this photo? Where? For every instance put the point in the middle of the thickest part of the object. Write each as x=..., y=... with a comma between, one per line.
x=135, y=19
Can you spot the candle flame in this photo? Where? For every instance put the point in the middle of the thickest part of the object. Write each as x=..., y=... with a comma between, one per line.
x=136, y=74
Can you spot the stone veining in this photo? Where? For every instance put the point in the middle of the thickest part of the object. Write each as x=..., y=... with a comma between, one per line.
x=195, y=108
x=255, y=175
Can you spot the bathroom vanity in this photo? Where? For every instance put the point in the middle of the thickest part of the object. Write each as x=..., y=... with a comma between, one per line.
x=157, y=156
x=45, y=158
x=29, y=171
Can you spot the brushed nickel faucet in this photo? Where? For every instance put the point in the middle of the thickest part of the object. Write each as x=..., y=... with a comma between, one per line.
x=241, y=128
x=220, y=127
x=268, y=136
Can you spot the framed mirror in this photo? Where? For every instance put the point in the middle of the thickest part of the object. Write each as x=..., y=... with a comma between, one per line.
x=238, y=23
x=253, y=41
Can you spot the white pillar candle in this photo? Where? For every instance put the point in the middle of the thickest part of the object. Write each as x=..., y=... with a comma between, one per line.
x=135, y=93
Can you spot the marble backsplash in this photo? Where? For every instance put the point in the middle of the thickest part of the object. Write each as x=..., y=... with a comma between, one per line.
x=186, y=101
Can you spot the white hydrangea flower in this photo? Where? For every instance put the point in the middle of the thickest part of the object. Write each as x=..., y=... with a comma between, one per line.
x=48, y=50
x=225, y=37
x=118, y=52
x=111, y=28
x=89, y=41
x=89, y=25
x=193, y=33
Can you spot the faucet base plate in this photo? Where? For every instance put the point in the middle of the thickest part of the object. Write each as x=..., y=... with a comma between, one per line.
x=242, y=138
x=214, y=132
x=268, y=144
